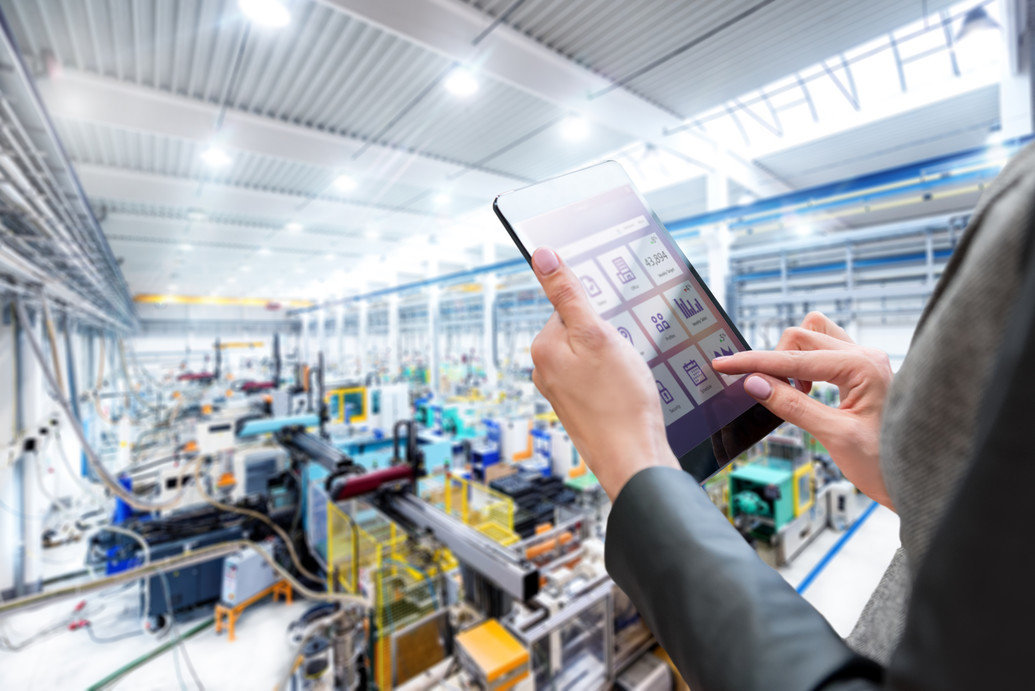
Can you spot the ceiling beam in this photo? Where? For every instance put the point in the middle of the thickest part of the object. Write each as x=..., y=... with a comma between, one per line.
x=449, y=27
x=105, y=182
x=86, y=97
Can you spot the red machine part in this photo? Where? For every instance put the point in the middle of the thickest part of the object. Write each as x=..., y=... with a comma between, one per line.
x=363, y=484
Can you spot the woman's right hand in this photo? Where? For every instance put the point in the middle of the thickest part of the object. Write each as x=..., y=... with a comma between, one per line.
x=820, y=350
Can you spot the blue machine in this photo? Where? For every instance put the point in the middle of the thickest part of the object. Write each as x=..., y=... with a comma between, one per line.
x=252, y=428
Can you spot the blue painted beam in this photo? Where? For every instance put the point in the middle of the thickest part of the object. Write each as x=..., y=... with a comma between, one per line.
x=982, y=163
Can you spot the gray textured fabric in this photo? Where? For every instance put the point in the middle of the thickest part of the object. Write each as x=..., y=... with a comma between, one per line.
x=931, y=414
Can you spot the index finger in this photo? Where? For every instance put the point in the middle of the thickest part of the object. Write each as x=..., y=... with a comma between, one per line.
x=811, y=365
x=563, y=288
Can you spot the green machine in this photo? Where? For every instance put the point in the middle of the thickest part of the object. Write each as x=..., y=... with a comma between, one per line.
x=763, y=490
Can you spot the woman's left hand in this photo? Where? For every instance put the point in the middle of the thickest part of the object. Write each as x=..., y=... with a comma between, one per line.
x=601, y=389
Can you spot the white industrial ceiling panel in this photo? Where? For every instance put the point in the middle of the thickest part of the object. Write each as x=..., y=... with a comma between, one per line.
x=945, y=127
x=689, y=57
x=549, y=153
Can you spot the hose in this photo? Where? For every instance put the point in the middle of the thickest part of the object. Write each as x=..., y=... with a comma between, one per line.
x=77, y=426
x=196, y=556
x=261, y=517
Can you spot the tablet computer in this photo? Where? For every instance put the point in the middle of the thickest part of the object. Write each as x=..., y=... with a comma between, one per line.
x=639, y=280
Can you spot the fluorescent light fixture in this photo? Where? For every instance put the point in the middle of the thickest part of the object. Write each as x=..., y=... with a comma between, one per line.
x=441, y=199
x=186, y=248
x=215, y=157
x=345, y=183
x=371, y=234
x=269, y=13
x=574, y=128
x=293, y=227
x=461, y=82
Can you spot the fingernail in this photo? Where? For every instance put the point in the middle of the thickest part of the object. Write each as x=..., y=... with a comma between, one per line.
x=545, y=261
x=758, y=388
x=721, y=359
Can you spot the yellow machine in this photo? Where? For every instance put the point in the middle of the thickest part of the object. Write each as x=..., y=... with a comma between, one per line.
x=496, y=659
x=338, y=399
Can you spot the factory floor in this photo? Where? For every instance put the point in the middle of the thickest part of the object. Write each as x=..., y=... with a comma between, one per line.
x=260, y=655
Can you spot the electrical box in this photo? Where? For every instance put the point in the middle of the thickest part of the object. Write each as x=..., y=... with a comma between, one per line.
x=246, y=574
x=492, y=656
x=215, y=436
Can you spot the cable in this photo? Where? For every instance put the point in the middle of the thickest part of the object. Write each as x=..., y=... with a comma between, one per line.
x=255, y=514
x=91, y=455
x=168, y=599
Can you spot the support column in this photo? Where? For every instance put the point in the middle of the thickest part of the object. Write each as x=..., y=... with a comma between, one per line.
x=489, y=329
x=393, y=336
x=31, y=503
x=341, y=336
x=718, y=239
x=321, y=327
x=361, y=342
x=1016, y=89
x=433, y=316
x=305, y=337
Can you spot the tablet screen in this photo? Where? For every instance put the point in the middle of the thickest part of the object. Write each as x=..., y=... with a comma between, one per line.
x=640, y=282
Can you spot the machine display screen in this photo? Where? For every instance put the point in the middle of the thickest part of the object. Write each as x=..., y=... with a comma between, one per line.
x=639, y=281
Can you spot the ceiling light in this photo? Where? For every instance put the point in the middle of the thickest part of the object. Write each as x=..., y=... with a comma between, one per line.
x=461, y=82
x=345, y=183
x=293, y=227
x=271, y=13
x=196, y=215
x=803, y=230
x=215, y=157
x=441, y=199
x=371, y=234
x=186, y=248
x=574, y=128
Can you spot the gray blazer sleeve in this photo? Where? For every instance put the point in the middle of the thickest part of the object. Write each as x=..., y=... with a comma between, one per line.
x=730, y=622
x=727, y=620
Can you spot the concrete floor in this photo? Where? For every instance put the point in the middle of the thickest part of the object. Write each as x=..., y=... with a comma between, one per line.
x=260, y=655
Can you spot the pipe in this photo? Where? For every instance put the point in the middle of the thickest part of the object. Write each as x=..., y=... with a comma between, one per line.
x=368, y=482
x=148, y=656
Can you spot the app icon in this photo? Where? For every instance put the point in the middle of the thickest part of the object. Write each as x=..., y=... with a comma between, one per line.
x=625, y=274
x=666, y=395
x=624, y=333
x=688, y=307
x=724, y=349
x=693, y=370
x=590, y=285
x=660, y=323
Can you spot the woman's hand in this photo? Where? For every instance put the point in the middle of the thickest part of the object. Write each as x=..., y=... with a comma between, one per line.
x=599, y=386
x=820, y=350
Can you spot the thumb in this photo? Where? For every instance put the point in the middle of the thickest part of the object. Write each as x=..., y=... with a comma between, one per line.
x=790, y=404
x=562, y=287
